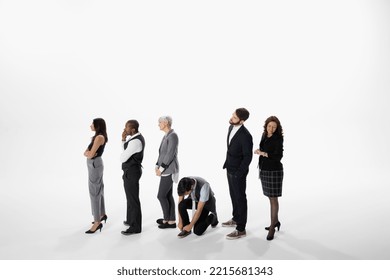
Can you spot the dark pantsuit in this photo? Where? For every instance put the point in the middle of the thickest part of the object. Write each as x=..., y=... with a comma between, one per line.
x=131, y=179
x=237, y=188
x=202, y=223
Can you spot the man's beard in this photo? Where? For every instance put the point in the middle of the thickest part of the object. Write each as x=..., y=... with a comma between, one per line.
x=233, y=123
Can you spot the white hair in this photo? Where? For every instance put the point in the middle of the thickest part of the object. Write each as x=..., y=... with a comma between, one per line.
x=167, y=119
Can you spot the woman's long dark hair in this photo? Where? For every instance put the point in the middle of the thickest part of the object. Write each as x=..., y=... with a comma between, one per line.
x=279, y=128
x=100, y=128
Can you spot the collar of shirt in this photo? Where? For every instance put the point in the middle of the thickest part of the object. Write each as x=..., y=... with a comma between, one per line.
x=169, y=131
x=131, y=137
x=236, y=127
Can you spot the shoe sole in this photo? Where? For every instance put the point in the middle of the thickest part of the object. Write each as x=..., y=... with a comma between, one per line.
x=130, y=233
x=228, y=225
x=167, y=227
x=182, y=236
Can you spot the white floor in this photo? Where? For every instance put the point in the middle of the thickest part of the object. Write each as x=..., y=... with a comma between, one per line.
x=43, y=221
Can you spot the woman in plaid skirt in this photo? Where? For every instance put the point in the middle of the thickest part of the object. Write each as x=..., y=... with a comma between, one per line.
x=271, y=169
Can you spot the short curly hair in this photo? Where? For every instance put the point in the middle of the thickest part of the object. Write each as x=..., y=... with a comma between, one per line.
x=167, y=119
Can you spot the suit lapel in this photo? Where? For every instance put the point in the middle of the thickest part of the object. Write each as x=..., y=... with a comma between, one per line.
x=164, y=138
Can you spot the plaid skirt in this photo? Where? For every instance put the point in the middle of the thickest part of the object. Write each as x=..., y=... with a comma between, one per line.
x=271, y=181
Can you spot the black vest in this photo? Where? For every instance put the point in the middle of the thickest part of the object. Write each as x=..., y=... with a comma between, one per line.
x=210, y=203
x=135, y=161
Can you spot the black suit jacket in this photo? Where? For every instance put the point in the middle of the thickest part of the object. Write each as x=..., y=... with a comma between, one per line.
x=239, y=152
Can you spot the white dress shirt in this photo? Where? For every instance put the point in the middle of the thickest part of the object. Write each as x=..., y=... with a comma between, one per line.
x=234, y=131
x=135, y=146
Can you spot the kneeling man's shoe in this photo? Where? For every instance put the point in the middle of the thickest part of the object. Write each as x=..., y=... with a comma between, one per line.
x=184, y=233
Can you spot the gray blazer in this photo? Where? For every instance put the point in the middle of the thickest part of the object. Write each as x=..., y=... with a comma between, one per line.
x=167, y=157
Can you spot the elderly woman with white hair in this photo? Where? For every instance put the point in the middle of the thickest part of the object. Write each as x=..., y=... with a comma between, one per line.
x=167, y=167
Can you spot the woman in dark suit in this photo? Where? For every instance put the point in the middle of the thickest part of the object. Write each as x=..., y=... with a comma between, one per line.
x=95, y=173
x=271, y=169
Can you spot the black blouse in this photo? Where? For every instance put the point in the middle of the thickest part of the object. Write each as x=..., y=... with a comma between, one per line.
x=273, y=146
x=99, y=151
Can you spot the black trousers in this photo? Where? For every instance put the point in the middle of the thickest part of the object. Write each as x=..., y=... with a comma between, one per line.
x=131, y=179
x=201, y=224
x=237, y=189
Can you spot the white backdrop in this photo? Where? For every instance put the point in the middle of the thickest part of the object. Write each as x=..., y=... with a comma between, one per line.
x=323, y=68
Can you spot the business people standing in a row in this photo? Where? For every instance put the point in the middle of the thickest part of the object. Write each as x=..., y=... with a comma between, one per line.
x=94, y=153
x=131, y=158
x=167, y=168
x=238, y=157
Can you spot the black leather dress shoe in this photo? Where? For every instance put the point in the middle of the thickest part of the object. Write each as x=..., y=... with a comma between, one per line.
x=130, y=231
x=126, y=224
x=184, y=233
x=167, y=225
x=160, y=221
x=213, y=220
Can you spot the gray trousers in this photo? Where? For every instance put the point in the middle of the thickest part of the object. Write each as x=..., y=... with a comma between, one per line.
x=96, y=187
x=166, y=198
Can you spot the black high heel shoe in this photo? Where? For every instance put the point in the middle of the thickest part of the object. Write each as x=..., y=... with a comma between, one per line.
x=277, y=225
x=100, y=226
x=104, y=218
x=271, y=234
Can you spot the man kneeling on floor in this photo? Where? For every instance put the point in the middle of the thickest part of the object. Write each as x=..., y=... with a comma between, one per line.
x=195, y=193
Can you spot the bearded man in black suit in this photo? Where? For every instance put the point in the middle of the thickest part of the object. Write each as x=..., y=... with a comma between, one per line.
x=238, y=157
